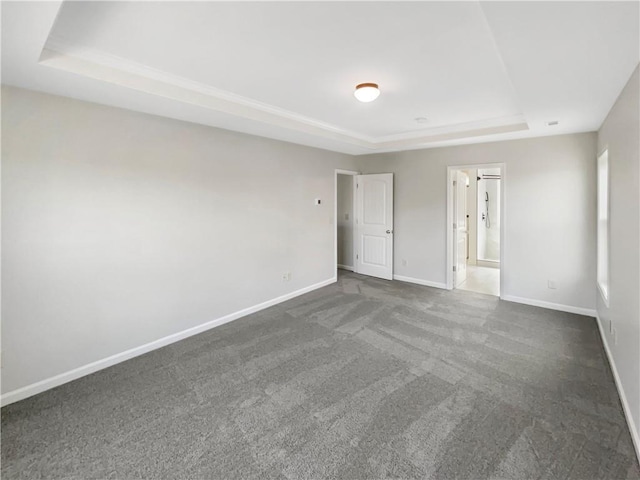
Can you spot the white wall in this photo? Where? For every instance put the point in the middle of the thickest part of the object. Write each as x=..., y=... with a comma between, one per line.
x=620, y=134
x=488, y=237
x=120, y=228
x=549, y=222
x=345, y=220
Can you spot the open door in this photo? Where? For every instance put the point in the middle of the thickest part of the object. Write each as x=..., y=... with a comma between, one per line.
x=460, y=232
x=374, y=225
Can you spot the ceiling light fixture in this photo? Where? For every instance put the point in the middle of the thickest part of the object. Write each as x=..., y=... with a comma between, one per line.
x=367, y=92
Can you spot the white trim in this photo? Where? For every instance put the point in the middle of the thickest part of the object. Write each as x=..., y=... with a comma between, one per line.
x=43, y=385
x=635, y=437
x=487, y=263
x=93, y=63
x=589, y=312
x=88, y=62
x=503, y=219
x=353, y=173
x=346, y=267
x=603, y=288
x=604, y=296
x=419, y=281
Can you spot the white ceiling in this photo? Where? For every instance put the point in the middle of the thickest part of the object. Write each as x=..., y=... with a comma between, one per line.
x=478, y=71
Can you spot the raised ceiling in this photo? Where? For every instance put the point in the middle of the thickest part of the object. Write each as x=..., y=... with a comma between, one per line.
x=477, y=71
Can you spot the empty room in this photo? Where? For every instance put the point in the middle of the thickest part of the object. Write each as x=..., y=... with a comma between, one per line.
x=320, y=240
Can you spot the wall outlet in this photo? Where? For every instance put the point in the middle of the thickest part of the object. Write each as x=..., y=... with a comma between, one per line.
x=404, y=262
x=286, y=276
x=552, y=284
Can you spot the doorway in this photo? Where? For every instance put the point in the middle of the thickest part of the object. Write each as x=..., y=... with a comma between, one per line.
x=475, y=234
x=345, y=220
x=364, y=223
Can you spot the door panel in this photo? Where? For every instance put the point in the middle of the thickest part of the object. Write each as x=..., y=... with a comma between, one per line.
x=460, y=233
x=374, y=193
x=374, y=225
x=373, y=250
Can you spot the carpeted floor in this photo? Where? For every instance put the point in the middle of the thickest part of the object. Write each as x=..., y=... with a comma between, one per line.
x=361, y=379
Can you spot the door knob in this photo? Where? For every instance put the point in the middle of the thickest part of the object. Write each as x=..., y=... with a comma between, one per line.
x=389, y=231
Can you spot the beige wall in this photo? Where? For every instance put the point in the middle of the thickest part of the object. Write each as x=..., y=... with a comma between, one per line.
x=549, y=221
x=620, y=135
x=120, y=228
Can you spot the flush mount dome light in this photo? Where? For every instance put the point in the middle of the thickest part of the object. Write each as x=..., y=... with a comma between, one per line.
x=367, y=92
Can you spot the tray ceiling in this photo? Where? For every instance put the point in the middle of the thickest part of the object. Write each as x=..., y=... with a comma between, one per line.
x=476, y=71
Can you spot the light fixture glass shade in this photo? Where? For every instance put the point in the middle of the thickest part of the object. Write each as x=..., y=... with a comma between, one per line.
x=367, y=92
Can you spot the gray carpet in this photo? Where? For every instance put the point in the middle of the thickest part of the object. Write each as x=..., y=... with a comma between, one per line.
x=361, y=379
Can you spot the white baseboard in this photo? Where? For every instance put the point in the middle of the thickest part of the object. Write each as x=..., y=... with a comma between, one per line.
x=589, y=312
x=419, y=281
x=623, y=398
x=488, y=263
x=345, y=267
x=43, y=385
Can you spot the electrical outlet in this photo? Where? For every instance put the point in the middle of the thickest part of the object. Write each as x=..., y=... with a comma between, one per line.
x=552, y=284
x=404, y=262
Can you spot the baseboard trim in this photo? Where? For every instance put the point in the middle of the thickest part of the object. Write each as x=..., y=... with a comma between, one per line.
x=623, y=398
x=589, y=312
x=419, y=281
x=57, y=380
x=488, y=263
x=346, y=267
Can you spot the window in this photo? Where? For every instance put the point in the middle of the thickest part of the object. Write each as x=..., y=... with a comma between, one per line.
x=603, y=225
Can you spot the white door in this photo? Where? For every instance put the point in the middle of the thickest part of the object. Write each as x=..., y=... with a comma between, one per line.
x=460, y=233
x=374, y=225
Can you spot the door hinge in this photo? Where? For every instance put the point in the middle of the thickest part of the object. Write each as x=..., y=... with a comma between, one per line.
x=357, y=186
x=454, y=268
x=357, y=256
x=455, y=226
x=455, y=183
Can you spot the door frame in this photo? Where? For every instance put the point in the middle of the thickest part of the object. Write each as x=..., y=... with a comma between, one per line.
x=503, y=218
x=353, y=173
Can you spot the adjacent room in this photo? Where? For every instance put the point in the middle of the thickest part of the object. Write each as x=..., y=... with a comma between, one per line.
x=475, y=203
x=320, y=240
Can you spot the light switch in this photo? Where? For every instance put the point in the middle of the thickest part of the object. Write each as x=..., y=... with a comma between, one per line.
x=317, y=201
